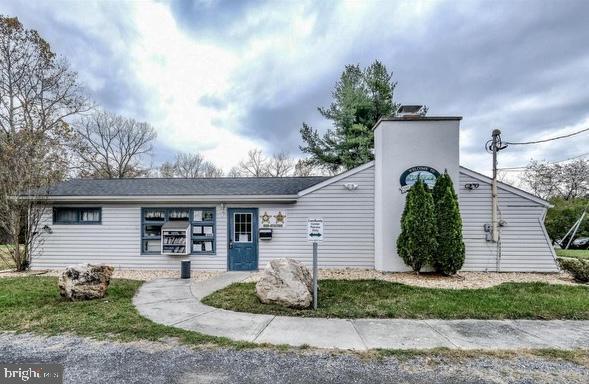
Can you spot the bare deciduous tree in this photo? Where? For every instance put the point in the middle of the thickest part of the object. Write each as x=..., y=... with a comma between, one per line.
x=304, y=168
x=111, y=146
x=190, y=166
x=38, y=92
x=258, y=165
x=569, y=180
x=255, y=165
x=280, y=165
x=234, y=172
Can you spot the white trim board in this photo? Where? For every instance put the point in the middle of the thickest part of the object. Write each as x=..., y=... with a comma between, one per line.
x=336, y=178
x=177, y=198
x=506, y=187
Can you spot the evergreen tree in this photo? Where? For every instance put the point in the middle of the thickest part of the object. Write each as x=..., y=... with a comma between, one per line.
x=417, y=242
x=360, y=98
x=449, y=256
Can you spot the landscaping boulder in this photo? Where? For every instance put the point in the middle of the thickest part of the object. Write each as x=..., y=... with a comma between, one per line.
x=85, y=282
x=286, y=282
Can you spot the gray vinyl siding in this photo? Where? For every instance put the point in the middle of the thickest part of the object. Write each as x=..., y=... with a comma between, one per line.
x=117, y=242
x=348, y=226
x=349, y=232
x=524, y=245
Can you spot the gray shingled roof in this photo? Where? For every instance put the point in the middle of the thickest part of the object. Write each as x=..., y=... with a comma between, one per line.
x=177, y=187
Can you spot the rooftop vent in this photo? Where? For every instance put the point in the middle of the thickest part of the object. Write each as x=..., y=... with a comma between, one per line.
x=411, y=111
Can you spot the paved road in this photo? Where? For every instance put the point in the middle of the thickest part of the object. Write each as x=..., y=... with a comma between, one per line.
x=88, y=361
x=176, y=302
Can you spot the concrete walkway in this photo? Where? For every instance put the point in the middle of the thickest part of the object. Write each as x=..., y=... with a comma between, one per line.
x=177, y=303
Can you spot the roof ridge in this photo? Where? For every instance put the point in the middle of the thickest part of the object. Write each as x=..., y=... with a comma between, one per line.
x=198, y=178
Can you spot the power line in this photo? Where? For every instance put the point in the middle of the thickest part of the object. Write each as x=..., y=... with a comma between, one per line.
x=546, y=140
x=550, y=162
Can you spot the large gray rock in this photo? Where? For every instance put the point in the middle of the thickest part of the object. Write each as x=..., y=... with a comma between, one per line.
x=286, y=282
x=85, y=282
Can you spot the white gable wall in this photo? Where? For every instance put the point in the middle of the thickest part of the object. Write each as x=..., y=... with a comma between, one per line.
x=348, y=225
x=524, y=245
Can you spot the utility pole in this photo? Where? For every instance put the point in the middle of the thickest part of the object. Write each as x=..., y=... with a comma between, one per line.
x=495, y=145
x=495, y=142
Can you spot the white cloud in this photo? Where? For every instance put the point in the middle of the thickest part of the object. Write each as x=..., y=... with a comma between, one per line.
x=177, y=72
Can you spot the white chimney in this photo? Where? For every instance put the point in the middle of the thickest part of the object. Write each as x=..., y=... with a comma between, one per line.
x=406, y=147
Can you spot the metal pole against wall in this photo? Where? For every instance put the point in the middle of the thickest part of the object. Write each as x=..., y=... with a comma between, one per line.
x=494, y=222
x=315, y=275
x=494, y=146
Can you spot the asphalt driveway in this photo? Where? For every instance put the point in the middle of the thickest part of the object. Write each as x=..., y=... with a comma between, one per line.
x=89, y=361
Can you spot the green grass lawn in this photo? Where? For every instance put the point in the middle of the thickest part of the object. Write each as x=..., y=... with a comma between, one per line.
x=576, y=253
x=33, y=304
x=381, y=299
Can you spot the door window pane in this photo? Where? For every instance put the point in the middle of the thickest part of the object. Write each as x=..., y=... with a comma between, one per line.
x=242, y=227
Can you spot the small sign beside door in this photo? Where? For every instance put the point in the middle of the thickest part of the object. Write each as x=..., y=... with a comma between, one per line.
x=315, y=230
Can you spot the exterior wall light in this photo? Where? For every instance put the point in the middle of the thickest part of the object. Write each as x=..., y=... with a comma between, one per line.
x=47, y=229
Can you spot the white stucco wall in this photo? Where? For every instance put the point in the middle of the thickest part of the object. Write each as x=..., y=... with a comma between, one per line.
x=399, y=145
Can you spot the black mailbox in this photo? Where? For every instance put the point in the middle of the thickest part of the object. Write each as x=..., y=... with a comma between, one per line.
x=265, y=233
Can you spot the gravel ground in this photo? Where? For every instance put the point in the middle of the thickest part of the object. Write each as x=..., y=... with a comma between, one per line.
x=429, y=280
x=88, y=361
x=463, y=280
x=131, y=274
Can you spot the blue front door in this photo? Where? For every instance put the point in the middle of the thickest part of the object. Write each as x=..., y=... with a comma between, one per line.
x=243, y=239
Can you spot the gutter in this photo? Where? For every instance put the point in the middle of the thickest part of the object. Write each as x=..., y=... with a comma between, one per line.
x=175, y=198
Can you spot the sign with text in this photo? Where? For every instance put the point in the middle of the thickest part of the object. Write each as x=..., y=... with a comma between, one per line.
x=272, y=218
x=428, y=175
x=315, y=230
x=31, y=373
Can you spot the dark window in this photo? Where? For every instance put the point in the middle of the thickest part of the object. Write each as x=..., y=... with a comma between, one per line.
x=202, y=221
x=70, y=215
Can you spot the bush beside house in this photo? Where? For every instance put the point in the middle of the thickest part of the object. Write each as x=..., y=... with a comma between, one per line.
x=431, y=228
x=579, y=268
x=449, y=256
x=417, y=242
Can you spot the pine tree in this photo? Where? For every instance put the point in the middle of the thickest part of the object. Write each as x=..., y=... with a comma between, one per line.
x=417, y=242
x=360, y=98
x=449, y=257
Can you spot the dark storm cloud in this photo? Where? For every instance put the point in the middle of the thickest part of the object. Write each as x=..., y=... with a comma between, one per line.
x=211, y=19
x=518, y=66
x=99, y=57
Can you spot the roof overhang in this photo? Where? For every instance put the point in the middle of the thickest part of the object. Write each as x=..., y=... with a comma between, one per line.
x=174, y=199
x=336, y=178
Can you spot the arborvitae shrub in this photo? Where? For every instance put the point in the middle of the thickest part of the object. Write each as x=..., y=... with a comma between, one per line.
x=417, y=242
x=449, y=256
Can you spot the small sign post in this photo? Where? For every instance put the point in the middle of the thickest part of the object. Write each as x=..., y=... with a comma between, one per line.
x=315, y=234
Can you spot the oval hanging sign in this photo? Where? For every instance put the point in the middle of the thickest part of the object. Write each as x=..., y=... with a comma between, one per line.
x=428, y=175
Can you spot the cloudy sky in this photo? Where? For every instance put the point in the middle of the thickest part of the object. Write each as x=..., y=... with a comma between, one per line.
x=221, y=77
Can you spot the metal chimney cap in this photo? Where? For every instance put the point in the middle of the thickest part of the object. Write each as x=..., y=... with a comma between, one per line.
x=414, y=111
